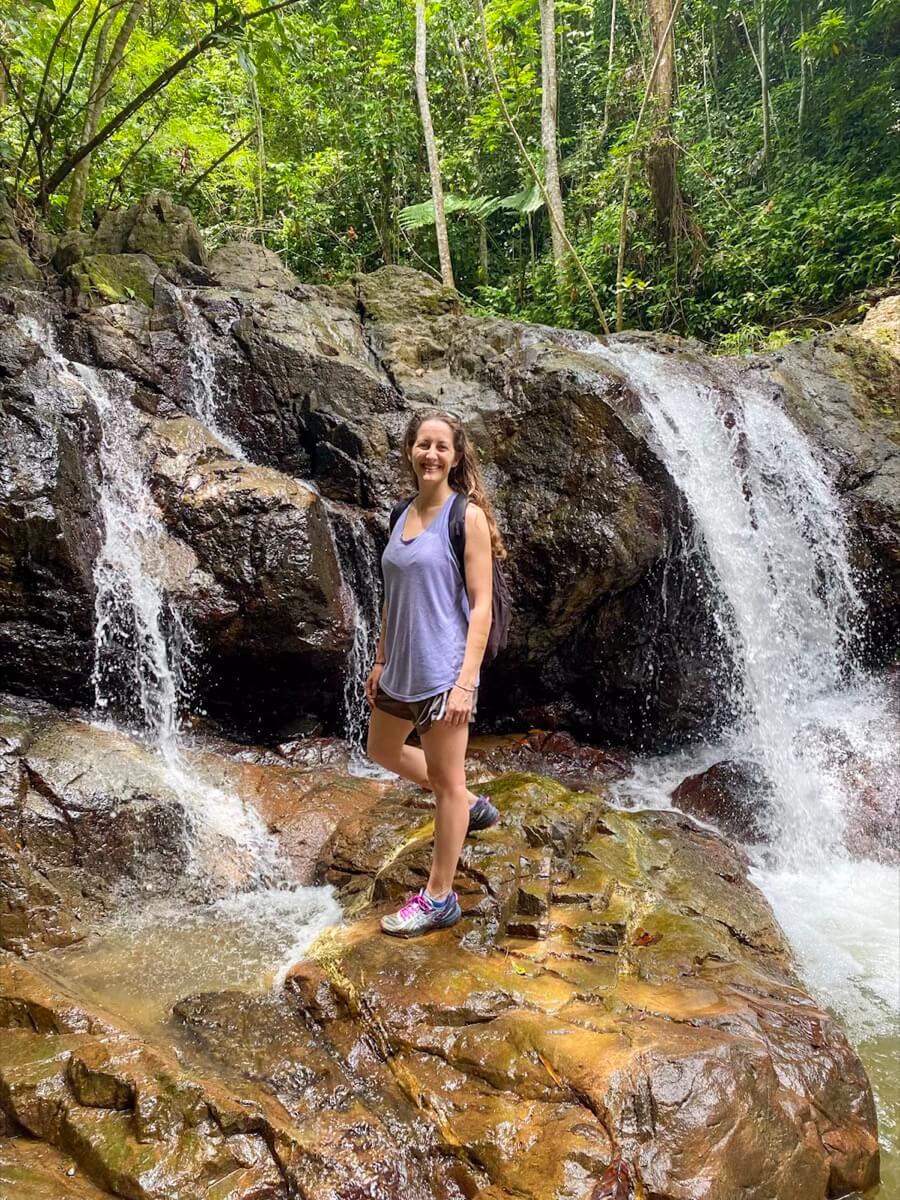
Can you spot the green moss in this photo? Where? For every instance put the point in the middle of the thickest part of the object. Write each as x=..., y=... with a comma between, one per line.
x=116, y=278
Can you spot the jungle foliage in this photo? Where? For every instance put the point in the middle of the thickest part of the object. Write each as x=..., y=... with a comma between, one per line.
x=295, y=122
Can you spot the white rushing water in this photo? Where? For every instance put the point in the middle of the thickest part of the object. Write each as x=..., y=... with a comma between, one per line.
x=777, y=544
x=204, y=387
x=141, y=641
x=785, y=596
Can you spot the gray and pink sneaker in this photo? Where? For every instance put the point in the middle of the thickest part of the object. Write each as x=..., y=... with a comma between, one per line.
x=420, y=914
x=482, y=815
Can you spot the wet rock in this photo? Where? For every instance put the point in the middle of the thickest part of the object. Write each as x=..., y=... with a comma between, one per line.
x=114, y=278
x=615, y=643
x=282, y=634
x=48, y=525
x=16, y=266
x=656, y=1004
x=246, y=266
x=735, y=796
x=554, y=754
x=32, y=1170
x=155, y=226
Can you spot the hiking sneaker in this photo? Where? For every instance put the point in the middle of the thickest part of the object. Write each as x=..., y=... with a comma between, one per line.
x=421, y=914
x=482, y=815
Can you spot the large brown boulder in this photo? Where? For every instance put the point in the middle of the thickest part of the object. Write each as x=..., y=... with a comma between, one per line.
x=617, y=1002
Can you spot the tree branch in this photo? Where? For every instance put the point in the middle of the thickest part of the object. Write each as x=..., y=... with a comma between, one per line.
x=228, y=30
x=212, y=167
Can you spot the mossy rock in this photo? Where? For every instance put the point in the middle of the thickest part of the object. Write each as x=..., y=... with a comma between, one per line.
x=15, y=265
x=115, y=278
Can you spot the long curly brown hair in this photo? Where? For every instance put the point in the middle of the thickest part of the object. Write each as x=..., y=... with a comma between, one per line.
x=466, y=476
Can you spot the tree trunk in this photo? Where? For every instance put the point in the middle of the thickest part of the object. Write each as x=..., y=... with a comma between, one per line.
x=801, y=107
x=548, y=140
x=434, y=167
x=609, y=67
x=764, y=81
x=661, y=161
x=102, y=77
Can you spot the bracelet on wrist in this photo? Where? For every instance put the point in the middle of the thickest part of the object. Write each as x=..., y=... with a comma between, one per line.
x=379, y=662
x=463, y=688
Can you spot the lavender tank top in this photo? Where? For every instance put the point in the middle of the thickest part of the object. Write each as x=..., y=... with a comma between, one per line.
x=426, y=611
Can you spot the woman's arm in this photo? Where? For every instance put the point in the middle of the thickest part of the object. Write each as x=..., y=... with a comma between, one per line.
x=478, y=585
x=378, y=666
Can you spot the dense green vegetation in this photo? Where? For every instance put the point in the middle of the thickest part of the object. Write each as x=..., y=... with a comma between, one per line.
x=299, y=126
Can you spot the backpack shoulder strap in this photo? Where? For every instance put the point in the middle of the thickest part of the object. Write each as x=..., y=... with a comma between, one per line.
x=397, y=512
x=456, y=527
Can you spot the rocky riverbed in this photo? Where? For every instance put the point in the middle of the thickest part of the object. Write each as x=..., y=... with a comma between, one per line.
x=618, y=1001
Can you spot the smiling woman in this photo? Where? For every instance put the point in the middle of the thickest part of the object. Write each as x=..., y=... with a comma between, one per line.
x=434, y=632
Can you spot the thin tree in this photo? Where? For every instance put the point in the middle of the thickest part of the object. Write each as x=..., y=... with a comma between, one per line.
x=661, y=157
x=549, y=91
x=434, y=166
x=764, y=81
x=102, y=79
x=626, y=187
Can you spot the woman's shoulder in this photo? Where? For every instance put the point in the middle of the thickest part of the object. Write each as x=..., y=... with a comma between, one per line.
x=476, y=519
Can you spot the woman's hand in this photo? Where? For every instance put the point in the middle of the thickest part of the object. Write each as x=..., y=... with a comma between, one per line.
x=459, y=706
x=372, y=683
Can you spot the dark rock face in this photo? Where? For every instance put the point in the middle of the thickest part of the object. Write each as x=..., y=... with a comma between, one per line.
x=48, y=521
x=612, y=635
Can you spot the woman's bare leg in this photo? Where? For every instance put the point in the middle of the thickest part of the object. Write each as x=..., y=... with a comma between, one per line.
x=387, y=746
x=444, y=747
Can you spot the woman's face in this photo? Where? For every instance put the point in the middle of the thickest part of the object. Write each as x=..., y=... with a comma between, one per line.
x=432, y=454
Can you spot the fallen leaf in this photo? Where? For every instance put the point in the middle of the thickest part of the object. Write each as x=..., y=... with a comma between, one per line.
x=645, y=938
x=616, y=1183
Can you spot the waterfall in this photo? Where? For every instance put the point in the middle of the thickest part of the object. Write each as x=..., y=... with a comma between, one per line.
x=204, y=391
x=361, y=573
x=142, y=644
x=786, y=598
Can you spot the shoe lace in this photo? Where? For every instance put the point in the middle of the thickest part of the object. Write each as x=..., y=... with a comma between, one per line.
x=414, y=903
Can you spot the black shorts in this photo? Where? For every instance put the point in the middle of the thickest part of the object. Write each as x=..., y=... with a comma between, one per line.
x=420, y=712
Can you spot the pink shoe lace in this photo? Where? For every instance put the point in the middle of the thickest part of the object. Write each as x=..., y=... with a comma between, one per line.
x=416, y=902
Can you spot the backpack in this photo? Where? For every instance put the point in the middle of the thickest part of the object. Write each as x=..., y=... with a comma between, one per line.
x=501, y=604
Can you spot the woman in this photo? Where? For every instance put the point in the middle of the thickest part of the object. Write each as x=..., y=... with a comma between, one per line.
x=434, y=629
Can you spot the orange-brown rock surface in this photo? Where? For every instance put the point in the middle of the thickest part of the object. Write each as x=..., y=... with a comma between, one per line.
x=617, y=1003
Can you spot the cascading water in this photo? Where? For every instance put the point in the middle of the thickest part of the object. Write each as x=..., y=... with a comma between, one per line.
x=786, y=598
x=141, y=642
x=204, y=391
x=142, y=646
x=778, y=547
